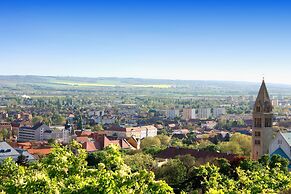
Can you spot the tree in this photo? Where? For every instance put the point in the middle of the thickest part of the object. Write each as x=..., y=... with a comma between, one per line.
x=244, y=141
x=58, y=119
x=4, y=134
x=140, y=161
x=211, y=148
x=65, y=170
x=97, y=128
x=187, y=160
x=150, y=142
x=173, y=172
x=22, y=160
x=36, y=119
x=230, y=147
x=165, y=140
x=239, y=144
x=279, y=162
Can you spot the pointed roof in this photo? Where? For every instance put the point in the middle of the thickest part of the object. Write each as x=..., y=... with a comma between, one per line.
x=263, y=92
x=263, y=99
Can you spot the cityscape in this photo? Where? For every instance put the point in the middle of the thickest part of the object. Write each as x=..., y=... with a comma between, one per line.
x=145, y=97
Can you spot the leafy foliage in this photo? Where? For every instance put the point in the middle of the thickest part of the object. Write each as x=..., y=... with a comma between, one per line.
x=239, y=144
x=65, y=170
x=150, y=142
x=140, y=161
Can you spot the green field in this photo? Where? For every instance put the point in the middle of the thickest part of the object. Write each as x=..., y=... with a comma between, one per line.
x=80, y=84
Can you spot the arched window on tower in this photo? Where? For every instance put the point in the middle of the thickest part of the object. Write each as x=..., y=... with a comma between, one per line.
x=268, y=122
x=258, y=122
x=258, y=108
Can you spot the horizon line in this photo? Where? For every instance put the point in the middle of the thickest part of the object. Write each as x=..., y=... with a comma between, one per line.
x=132, y=77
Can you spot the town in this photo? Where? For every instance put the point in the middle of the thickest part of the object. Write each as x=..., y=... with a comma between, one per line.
x=153, y=129
x=145, y=97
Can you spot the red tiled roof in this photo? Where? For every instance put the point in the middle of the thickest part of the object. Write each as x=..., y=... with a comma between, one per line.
x=41, y=151
x=82, y=139
x=83, y=133
x=91, y=146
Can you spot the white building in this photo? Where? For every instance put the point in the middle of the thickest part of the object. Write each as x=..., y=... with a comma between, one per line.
x=7, y=151
x=172, y=113
x=204, y=113
x=58, y=133
x=218, y=112
x=40, y=132
x=35, y=133
x=188, y=113
x=138, y=132
x=275, y=102
x=281, y=145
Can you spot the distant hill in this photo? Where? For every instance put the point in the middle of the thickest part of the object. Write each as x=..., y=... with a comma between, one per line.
x=30, y=83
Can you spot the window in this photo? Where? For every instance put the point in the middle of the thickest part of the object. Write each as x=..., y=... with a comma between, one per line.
x=258, y=109
x=257, y=133
x=258, y=122
x=268, y=122
x=257, y=142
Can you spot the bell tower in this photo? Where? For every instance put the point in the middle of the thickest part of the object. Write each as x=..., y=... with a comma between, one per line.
x=262, y=133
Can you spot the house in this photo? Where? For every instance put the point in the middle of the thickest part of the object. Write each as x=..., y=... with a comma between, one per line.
x=34, y=133
x=180, y=133
x=138, y=132
x=101, y=141
x=7, y=151
x=281, y=145
x=41, y=131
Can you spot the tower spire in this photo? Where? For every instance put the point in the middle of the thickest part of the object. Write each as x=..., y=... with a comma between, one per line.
x=262, y=130
x=263, y=95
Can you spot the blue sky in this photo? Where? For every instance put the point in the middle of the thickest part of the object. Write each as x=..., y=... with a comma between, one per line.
x=168, y=39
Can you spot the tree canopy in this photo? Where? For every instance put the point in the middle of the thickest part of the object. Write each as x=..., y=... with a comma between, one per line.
x=65, y=170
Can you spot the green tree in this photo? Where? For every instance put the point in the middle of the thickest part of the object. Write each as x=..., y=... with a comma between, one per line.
x=97, y=128
x=239, y=144
x=165, y=140
x=37, y=119
x=58, y=119
x=140, y=161
x=4, y=134
x=65, y=170
x=173, y=172
x=150, y=142
x=187, y=160
x=230, y=147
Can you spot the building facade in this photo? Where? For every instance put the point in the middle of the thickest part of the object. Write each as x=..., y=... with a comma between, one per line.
x=262, y=131
x=35, y=133
x=204, y=113
x=138, y=132
x=188, y=114
x=217, y=112
x=172, y=113
x=281, y=145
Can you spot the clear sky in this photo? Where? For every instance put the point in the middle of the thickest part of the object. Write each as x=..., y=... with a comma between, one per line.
x=175, y=39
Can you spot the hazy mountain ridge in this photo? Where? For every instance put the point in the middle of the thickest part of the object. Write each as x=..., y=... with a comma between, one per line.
x=196, y=87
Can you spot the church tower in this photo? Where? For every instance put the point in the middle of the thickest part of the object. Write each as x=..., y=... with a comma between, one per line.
x=262, y=133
